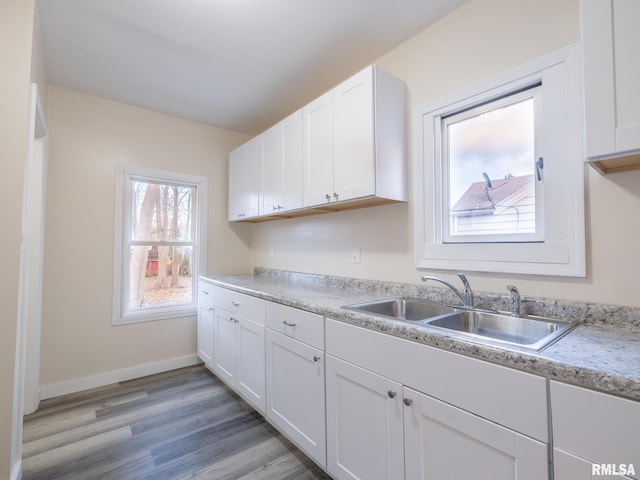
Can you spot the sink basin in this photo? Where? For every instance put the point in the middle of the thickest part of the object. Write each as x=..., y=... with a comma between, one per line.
x=411, y=309
x=529, y=332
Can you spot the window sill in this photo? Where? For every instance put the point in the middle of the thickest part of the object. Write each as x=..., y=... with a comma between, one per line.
x=190, y=311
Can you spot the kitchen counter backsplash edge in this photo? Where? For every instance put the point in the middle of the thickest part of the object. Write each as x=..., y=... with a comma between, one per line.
x=587, y=313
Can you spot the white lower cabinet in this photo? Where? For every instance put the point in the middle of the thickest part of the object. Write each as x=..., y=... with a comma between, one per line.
x=570, y=467
x=364, y=424
x=378, y=429
x=205, y=323
x=239, y=355
x=370, y=406
x=400, y=410
x=595, y=435
x=295, y=393
x=442, y=441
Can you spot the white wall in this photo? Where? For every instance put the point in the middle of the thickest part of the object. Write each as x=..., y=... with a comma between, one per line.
x=16, y=36
x=481, y=39
x=88, y=137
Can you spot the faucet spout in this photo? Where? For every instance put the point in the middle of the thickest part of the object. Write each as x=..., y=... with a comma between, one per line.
x=515, y=300
x=466, y=295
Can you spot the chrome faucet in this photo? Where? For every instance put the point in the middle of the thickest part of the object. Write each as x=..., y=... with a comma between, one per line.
x=515, y=300
x=467, y=294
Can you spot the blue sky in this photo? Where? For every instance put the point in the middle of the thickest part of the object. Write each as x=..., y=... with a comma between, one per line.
x=498, y=142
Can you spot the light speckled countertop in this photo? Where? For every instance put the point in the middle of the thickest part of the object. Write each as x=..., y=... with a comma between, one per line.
x=602, y=353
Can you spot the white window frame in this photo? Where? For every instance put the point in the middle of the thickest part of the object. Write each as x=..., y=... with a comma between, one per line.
x=124, y=174
x=562, y=252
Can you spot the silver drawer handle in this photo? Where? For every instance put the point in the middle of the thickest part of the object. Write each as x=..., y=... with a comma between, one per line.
x=205, y=292
x=284, y=322
x=210, y=308
x=391, y=393
x=316, y=358
x=235, y=304
x=407, y=401
x=234, y=320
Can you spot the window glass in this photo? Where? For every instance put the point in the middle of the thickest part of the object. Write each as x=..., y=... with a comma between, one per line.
x=490, y=178
x=160, y=273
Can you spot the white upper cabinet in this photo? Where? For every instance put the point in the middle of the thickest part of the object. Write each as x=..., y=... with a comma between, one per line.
x=237, y=163
x=611, y=37
x=346, y=149
x=282, y=166
x=354, y=141
x=245, y=173
x=354, y=172
x=318, y=151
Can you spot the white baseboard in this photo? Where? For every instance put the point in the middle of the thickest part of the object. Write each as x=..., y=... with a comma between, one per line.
x=115, y=376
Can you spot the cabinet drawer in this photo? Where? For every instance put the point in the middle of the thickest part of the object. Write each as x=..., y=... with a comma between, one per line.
x=240, y=304
x=205, y=294
x=595, y=426
x=295, y=323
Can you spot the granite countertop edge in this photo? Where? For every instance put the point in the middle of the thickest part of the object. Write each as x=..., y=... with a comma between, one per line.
x=594, y=356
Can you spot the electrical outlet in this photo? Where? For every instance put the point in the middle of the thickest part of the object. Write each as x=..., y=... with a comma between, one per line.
x=355, y=255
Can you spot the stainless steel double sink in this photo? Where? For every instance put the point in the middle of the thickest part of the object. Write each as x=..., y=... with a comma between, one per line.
x=530, y=332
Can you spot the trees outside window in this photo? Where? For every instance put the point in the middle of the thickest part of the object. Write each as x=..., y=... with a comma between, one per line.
x=159, y=233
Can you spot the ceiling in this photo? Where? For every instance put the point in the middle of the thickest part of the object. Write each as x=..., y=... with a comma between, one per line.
x=237, y=64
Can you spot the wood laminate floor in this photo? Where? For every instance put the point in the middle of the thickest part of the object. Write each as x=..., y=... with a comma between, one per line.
x=177, y=425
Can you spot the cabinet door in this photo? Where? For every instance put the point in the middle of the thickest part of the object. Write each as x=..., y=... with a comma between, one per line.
x=205, y=335
x=272, y=171
x=364, y=424
x=237, y=164
x=570, y=467
x=225, y=350
x=612, y=75
x=251, y=363
x=282, y=166
x=317, y=141
x=205, y=324
x=442, y=441
x=291, y=139
x=626, y=39
x=598, y=427
x=295, y=393
x=253, y=177
x=354, y=156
